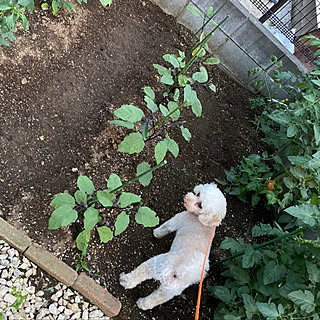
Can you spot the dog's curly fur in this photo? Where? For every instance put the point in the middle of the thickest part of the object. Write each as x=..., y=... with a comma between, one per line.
x=182, y=265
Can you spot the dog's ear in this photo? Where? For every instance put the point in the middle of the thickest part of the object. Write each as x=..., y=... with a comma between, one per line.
x=210, y=219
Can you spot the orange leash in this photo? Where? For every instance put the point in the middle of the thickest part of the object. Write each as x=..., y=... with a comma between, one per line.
x=202, y=274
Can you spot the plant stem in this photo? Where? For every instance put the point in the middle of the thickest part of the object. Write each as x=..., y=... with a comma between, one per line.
x=281, y=175
x=259, y=246
x=162, y=120
x=198, y=47
x=203, y=26
x=162, y=163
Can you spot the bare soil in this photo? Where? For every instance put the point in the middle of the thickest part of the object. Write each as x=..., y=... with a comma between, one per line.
x=60, y=83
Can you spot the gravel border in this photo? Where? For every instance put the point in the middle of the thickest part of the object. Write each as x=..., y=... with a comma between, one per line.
x=21, y=267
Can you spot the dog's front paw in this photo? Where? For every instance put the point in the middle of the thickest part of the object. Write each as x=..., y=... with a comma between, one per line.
x=143, y=304
x=126, y=281
x=156, y=233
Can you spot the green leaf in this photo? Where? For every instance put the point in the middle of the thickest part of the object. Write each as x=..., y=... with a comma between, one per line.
x=4, y=42
x=149, y=92
x=113, y=182
x=81, y=197
x=280, y=116
x=126, y=124
x=239, y=274
x=62, y=199
x=85, y=185
x=296, y=171
x=133, y=143
x=82, y=240
x=194, y=10
x=106, y=2
x=129, y=113
x=69, y=6
x=292, y=131
x=150, y=104
x=172, y=60
x=212, y=87
x=231, y=244
x=25, y=23
x=91, y=218
x=189, y=95
x=209, y=11
x=273, y=59
x=289, y=182
x=121, y=223
x=172, y=146
x=5, y=7
x=55, y=7
x=160, y=150
x=316, y=82
x=197, y=107
x=146, y=217
x=10, y=22
x=145, y=129
x=105, y=198
x=315, y=43
x=249, y=305
x=212, y=61
x=303, y=299
x=141, y=168
x=313, y=272
x=29, y=4
x=222, y=293
x=176, y=95
x=10, y=36
x=164, y=110
x=316, y=129
x=310, y=97
x=105, y=234
x=250, y=258
x=173, y=106
x=62, y=216
x=268, y=310
x=185, y=133
x=182, y=80
x=201, y=76
x=304, y=212
x=128, y=198
x=167, y=79
x=264, y=230
x=162, y=70
x=273, y=272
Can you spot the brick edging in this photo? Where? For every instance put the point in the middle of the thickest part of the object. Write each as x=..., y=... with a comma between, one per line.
x=86, y=286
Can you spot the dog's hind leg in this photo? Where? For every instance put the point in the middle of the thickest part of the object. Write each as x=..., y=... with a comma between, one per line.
x=133, y=278
x=163, y=294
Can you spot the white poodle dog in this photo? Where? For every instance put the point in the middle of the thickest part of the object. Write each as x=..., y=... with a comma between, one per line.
x=182, y=265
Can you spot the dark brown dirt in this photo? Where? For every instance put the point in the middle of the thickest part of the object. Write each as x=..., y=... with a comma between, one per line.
x=60, y=84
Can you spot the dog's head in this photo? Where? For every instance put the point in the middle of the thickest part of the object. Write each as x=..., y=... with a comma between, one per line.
x=208, y=203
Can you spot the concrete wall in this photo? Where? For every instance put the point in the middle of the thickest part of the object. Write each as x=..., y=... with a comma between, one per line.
x=242, y=43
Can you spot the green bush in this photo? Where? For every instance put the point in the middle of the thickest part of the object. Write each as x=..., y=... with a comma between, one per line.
x=289, y=174
x=13, y=11
x=279, y=279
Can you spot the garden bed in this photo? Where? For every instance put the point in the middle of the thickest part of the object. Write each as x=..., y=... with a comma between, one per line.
x=61, y=82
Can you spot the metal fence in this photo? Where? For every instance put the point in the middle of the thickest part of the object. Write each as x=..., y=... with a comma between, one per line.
x=290, y=20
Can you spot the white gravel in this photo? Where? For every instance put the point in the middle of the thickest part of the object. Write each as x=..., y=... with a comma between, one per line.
x=20, y=300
